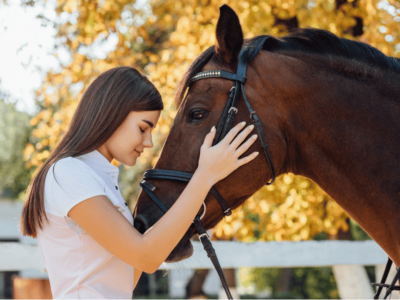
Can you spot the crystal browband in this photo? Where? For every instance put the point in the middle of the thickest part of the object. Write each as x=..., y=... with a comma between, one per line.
x=218, y=73
x=205, y=74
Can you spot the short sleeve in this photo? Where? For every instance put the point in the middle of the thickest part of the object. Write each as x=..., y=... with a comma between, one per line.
x=69, y=182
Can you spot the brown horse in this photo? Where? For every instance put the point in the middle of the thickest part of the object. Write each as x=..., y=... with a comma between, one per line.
x=330, y=111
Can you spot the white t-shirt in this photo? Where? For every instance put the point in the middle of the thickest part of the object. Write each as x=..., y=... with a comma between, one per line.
x=78, y=267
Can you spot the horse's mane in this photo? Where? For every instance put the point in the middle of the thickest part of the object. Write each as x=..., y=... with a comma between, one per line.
x=302, y=41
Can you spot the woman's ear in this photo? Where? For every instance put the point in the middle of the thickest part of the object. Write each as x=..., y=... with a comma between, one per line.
x=229, y=35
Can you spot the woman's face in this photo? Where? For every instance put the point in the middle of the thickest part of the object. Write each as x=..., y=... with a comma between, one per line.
x=131, y=137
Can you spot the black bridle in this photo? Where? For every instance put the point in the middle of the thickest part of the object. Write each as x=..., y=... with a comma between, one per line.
x=223, y=127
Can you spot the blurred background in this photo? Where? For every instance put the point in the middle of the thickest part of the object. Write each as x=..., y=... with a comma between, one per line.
x=50, y=51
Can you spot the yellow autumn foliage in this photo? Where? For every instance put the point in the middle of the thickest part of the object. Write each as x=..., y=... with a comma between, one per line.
x=162, y=38
x=293, y=208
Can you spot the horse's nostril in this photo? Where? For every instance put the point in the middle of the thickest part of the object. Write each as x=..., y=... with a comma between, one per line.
x=140, y=223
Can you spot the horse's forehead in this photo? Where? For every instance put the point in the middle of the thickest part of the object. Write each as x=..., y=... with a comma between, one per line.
x=207, y=92
x=212, y=65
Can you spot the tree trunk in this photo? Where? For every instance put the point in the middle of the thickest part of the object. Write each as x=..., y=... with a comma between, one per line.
x=194, y=288
x=284, y=280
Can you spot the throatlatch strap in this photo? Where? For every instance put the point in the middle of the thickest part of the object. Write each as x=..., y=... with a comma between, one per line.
x=260, y=132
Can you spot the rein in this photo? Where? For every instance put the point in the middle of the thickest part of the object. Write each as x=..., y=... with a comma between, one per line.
x=390, y=287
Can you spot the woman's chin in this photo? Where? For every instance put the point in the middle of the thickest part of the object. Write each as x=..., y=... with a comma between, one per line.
x=182, y=251
x=130, y=162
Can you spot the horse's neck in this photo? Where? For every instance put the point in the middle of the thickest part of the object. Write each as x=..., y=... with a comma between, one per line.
x=343, y=134
x=345, y=130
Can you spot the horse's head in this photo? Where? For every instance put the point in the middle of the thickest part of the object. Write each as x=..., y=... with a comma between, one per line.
x=199, y=111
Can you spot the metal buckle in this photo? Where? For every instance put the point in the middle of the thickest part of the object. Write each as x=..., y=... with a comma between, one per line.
x=204, y=234
x=226, y=211
x=148, y=185
x=234, y=109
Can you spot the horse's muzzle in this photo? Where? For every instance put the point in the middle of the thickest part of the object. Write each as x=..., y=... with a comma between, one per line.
x=141, y=224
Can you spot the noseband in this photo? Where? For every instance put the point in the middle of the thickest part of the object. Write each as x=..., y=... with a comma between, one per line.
x=223, y=127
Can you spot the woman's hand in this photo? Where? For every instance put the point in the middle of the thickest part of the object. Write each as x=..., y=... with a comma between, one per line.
x=218, y=161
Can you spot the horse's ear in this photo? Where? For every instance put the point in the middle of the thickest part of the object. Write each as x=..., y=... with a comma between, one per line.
x=229, y=35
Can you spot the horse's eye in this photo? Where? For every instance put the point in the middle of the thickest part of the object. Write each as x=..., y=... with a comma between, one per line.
x=198, y=114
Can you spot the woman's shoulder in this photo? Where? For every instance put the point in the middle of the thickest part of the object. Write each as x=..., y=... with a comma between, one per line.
x=70, y=181
x=70, y=164
x=70, y=170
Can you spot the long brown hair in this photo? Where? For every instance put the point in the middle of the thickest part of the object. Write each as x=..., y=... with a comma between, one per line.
x=104, y=106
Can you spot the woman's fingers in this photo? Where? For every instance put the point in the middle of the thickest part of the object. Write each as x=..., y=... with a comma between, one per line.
x=243, y=148
x=247, y=159
x=242, y=136
x=209, y=138
x=232, y=133
x=221, y=160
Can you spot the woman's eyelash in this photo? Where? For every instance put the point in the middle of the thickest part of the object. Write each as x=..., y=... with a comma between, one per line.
x=141, y=130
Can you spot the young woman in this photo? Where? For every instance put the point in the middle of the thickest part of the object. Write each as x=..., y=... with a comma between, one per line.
x=74, y=206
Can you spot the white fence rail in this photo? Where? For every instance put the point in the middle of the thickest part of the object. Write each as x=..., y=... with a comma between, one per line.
x=16, y=256
x=287, y=254
x=346, y=257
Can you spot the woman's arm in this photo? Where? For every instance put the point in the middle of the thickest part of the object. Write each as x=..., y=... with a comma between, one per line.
x=101, y=220
x=106, y=225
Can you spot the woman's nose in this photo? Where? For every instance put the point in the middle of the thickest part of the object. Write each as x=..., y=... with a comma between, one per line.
x=148, y=143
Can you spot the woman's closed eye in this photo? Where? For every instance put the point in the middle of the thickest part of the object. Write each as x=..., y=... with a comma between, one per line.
x=141, y=129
